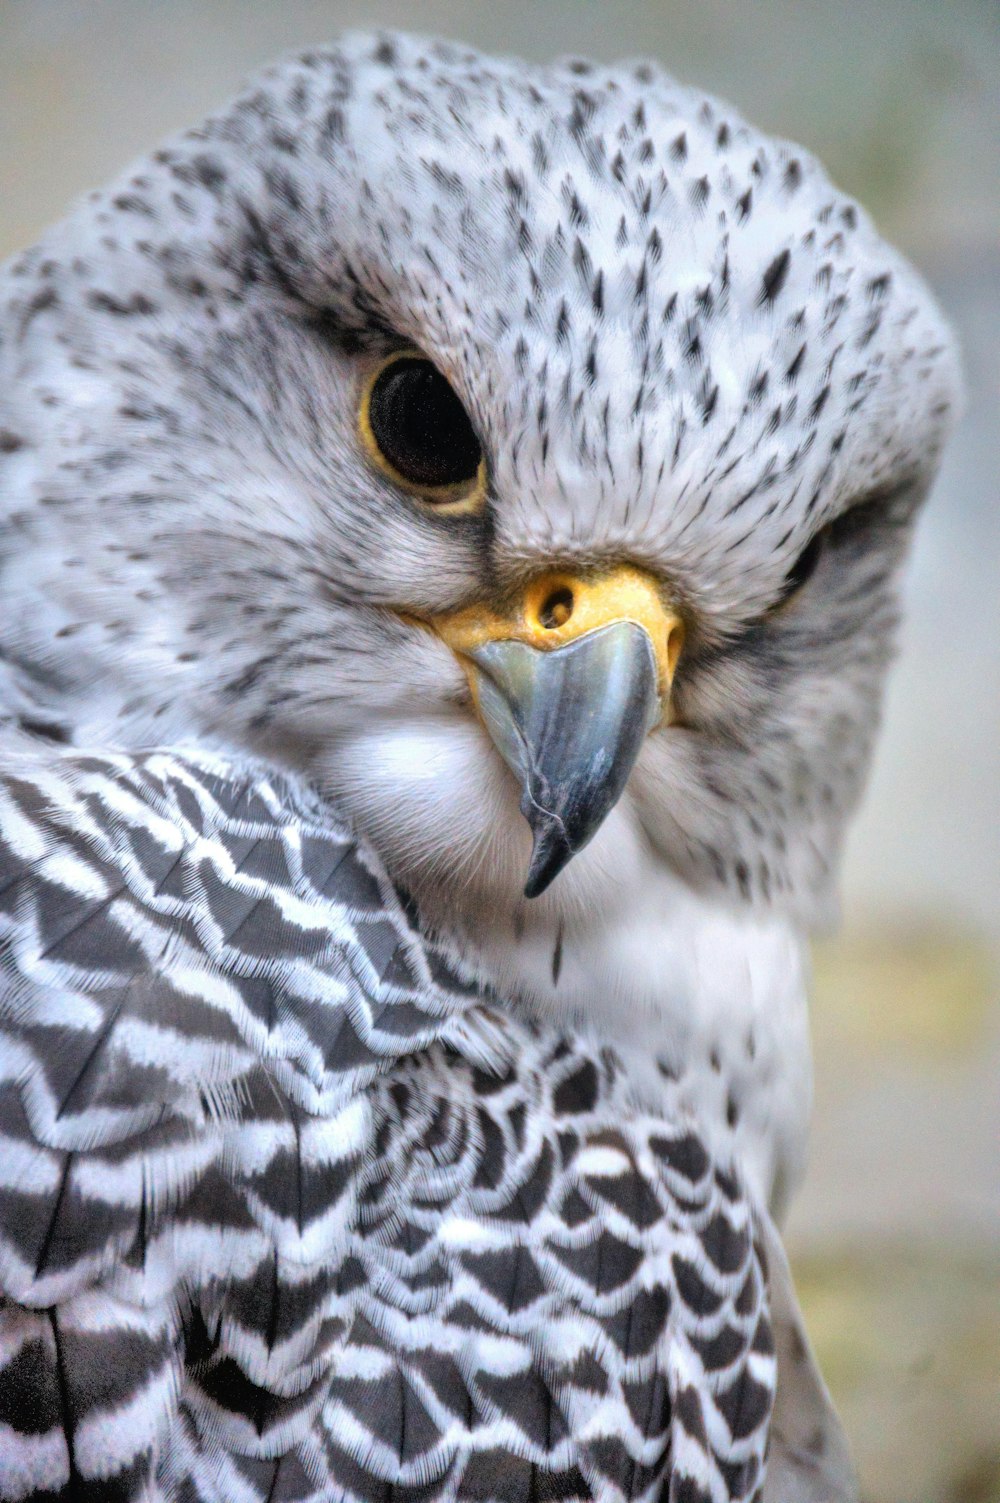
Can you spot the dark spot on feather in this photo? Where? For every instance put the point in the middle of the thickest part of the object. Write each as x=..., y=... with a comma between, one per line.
x=774, y=277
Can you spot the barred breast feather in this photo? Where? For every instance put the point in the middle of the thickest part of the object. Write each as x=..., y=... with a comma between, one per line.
x=291, y=1209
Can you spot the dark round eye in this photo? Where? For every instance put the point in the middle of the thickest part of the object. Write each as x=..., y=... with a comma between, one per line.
x=804, y=566
x=420, y=432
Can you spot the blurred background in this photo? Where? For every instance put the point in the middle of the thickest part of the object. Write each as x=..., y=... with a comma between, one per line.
x=896, y=1235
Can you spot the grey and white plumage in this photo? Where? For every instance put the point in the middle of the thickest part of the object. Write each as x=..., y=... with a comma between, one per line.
x=332, y=1166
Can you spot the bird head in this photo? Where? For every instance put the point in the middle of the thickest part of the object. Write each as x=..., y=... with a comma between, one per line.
x=528, y=454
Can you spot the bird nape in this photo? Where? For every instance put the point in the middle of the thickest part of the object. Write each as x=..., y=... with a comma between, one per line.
x=452, y=512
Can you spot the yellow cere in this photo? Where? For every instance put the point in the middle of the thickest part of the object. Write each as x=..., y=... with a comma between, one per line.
x=559, y=607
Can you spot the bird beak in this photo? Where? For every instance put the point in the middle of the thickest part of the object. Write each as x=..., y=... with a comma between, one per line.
x=568, y=682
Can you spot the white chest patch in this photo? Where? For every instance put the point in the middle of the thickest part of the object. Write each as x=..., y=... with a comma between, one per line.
x=687, y=991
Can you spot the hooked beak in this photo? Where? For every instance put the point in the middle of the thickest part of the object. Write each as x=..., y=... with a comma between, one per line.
x=568, y=682
x=570, y=725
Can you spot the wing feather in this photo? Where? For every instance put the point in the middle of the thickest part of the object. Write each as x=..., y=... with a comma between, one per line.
x=289, y=1208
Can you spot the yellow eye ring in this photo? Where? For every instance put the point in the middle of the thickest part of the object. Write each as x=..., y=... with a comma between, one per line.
x=408, y=407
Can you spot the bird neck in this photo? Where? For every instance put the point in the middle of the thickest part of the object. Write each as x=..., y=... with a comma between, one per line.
x=705, y=1005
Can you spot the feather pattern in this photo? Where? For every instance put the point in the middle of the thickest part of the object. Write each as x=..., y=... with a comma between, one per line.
x=275, y=1206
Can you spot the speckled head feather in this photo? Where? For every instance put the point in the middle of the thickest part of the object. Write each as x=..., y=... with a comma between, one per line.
x=671, y=331
x=680, y=347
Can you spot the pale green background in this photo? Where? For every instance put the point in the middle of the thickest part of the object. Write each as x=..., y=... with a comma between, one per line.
x=896, y=1236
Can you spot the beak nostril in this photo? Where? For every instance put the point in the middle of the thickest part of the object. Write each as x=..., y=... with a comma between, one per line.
x=556, y=609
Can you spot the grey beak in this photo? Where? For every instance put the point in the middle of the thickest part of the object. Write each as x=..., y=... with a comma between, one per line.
x=570, y=724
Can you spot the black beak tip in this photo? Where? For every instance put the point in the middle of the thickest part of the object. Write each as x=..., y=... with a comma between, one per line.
x=549, y=854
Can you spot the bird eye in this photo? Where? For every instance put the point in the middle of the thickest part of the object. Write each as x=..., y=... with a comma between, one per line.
x=418, y=433
x=803, y=568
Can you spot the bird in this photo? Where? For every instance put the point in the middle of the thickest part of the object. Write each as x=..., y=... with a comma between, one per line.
x=452, y=515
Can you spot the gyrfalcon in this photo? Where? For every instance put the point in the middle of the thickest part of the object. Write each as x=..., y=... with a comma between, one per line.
x=451, y=513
